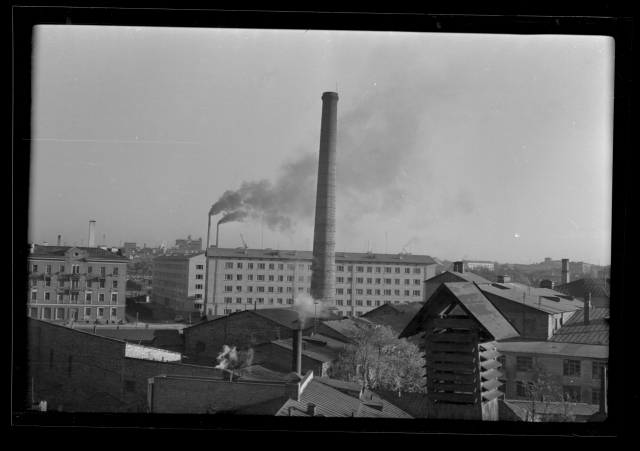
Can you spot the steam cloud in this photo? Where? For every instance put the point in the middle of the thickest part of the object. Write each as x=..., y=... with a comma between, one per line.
x=227, y=357
x=306, y=307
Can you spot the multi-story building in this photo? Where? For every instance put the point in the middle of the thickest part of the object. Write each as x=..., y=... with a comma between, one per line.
x=241, y=279
x=580, y=267
x=76, y=283
x=477, y=264
x=178, y=282
x=129, y=249
x=187, y=246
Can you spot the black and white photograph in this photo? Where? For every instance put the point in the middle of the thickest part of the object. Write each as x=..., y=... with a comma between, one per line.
x=262, y=221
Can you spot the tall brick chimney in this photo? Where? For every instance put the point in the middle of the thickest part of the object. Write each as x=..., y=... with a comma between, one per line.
x=59, y=236
x=92, y=234
x=564, y=277
x=296, y=357
x=324, y=242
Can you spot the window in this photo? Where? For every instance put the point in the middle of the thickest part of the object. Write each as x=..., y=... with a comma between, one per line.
x=359, y=280
x=87, y=298
x=387, y=281
x=416, y=292
x=48, y=269
x=89, y=284
x=74, y=298
x=280, y=266
x=596, y=369
x=571, y=392
x=75, y=284
x=238, y=289
x=280, y=278
x=249, y=300
x=300, y=289
x=101, y=297
x=308, y=278
x=377, y=292
x=198, y=286
x=114, y=284
x=378, y=269
x=290, y=266
x=386, y=302
x=369, y=268
x=115, y=271
x=199, y=266
x=228, y=289
x=87, y=311
x=348, y=301
x=272, y=266
x=407, y=292
x=407, y=281
x=407, y=270
x=59, y=298
x=34, y=295
x=349, y=279
x=103, y=270
x=228, y=265
x=198, y=296
x=250, y=277
x=300, y=278
x=571, y=367
x=359, y=313
x=249, y=289
x=340, y=268
x=113, y=312
x=238, y=265
x=596, y=394
x=239, y=277
x=101, y=283
x=339, y=302
x=289, y=301
x=397, y=270
x=34, y=268
x=89, y=270
x=387, y=292
x=359, y=268
x=100, y=312
x=416, y=270
x=227, y=311
x=369, y=291
x=339, y=290
x=279, y=301
x=377, y=281
x=369, y=280
x=396, y=281
x=47, y=296
x=47, y=282
x=521, y=389
x=377, y=303
x=289, y=278
x=309, y=267
x=359, y=291
x=416, y=281
x=301, y=267
x=272, y=278
x=368, y=303
x=348, y=290
x=260, y=300
x=349, y=313
x=227, y=300
x=260, y=289
x=260, y=278
x=270, y=300
x=270, y=289
x=396, y=292
x=280, y=290
x=238, y=300
x=114, y=298
x=524, y=364
x=249, y=265
x=228, y=277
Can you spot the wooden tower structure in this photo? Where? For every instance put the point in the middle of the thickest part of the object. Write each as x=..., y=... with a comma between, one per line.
x=460, y=328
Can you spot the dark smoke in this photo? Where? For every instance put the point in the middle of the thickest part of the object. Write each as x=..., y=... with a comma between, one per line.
x=238, y=215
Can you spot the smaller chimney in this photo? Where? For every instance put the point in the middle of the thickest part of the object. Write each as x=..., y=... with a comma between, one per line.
x=92, y=234
x=296, y=357
x=565, y=271
x=458, y=267
x=311, y=409
x=59, y=237
x=587, y=308
x=504, y=279
x=94, y=329
x=290, y=411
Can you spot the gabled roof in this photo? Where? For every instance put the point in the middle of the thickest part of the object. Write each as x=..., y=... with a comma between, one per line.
x=396, y=320
x=283, y=316
x=550, y=348
x=575, y=331
x=454, y=276
x=472, y=301
x=320, y=353
x=415, y=404
x=538, y=302
x=344, y=326
x=167, y=337
x=507, y=411
x=291, y=255
x=577, y=288
x=59, y=251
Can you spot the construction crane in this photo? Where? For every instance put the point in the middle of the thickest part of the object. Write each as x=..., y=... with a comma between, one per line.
x=243, y=242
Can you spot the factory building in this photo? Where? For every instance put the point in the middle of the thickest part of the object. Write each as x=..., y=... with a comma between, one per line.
x=246, y=279
x=76, y=283
x=178, y=282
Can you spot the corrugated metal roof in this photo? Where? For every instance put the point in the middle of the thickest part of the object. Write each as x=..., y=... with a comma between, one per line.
x=550, y=408
x=446, y=276
x=283, y=316
x=536, y=302
x=59, y=251
x=415, y=404
x=512, y=412
x=315, y=352
x=575, y=331
x=308, y=256
x=263, y=372
x=555, y=349
x=597, y=288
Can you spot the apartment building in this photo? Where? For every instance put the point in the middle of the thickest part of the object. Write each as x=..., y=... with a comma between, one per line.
x=241, y=279
x=178, y=282
x=76, y=283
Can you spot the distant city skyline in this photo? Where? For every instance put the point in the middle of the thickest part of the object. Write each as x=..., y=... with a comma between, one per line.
x=457, y=146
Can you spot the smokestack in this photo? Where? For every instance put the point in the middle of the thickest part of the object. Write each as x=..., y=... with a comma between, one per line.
x=458, y=267
x=324, y=242
x=587, y=308
x=92, y=234
x=217, y=233
x=311, y=409
x=59, y=236
x=565, y=270
x=296, y=357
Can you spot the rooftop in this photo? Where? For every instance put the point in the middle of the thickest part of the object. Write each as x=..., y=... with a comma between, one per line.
x=283, y=316
x=60, y=251
x=326, y=353
x=551, y=408
x=445, y=276
x=520, y=293
x=178, y=256
x=353, y=257
x=577, y=288
x=263, y=372
x=550, y=348
x=575, y=331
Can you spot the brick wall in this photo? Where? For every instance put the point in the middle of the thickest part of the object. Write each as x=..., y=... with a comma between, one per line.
x=241, y=330
x=89, y=373
x=208, y=396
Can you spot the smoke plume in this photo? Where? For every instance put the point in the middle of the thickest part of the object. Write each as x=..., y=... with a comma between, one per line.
x=307, y=307
x=227, y=357
x=238, y=215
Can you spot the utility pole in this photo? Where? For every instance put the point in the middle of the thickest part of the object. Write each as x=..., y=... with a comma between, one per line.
x=523, y=296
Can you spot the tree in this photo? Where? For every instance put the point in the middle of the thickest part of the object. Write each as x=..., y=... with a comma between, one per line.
x=548, y=402
x=376, y=358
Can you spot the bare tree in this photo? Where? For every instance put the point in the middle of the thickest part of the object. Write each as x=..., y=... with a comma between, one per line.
x=548, y=402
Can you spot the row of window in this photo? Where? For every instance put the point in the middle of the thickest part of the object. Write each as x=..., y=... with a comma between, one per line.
x=339, y=291
x=571, y=393
x=340, y=313
x=75, y=269
x=289, y=301
x=361, y=280
x=372, y=292
x=570, y=367
x=75, y=297
x=59, y=313
x=102, y=283
x=339, y=268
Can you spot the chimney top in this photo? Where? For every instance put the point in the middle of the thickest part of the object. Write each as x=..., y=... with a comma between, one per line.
x=311, y=409
x=330, y=94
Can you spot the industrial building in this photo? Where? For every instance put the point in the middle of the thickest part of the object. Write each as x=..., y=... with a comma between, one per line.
x=245, y=279
x=69, y=283
x=599, y=289
x=178, y=283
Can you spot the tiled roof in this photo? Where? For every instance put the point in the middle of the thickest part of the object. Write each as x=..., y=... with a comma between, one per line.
x=59, y=251
x=537, y=302
x=575, y=331
x=308, y=256
x=333, y=403
x=577, y=288
x=550, y=348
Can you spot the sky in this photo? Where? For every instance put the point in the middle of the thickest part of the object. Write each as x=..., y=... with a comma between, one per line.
x=457, y=146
